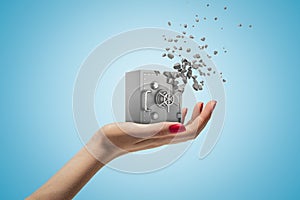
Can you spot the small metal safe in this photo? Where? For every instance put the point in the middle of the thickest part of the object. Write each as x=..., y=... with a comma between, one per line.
x=151, y=96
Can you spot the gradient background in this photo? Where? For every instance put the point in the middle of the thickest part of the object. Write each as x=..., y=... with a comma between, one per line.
x=257, y=156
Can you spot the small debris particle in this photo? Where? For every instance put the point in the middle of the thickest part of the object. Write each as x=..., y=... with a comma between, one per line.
x=196, y=86
x=169, y=23
x=178, y=36
x=240, y=25
x=193, y=26
x=215, y=18
x=177, y=66
x=209, y=69
x=215, y=52
x=224, y=81
x=170, y=40
x=171, y=56
x=197, y=19
x=195, y=66
x=184, y=60
x=225, y=8
x=204, y=18
x=207, y=5
x=183, y=32
x=183, y=77
x=167, y=48
x=164, y=55
x=175, y=40
x=196, y=55
x=167, y=74
x=188, y=50
x=202, y=39
x=189, y=74
x=250, y=26
x=180, y=48
x=222, y=28
x=170, y=80
x=175, y=47
x=185, y=25
x=206, y=46
x=192, y=37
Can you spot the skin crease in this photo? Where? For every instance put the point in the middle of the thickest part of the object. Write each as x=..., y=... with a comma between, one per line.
x=114, y=140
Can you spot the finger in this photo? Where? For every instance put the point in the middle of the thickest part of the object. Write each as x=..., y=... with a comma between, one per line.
x=192, y=131
x=158, y=137
x=145, y=131
x=195, y=127
x=157, y=142
x=196, y=111
x=141, y=130
x=183, y=115
x=206, y=114
x=198, y=124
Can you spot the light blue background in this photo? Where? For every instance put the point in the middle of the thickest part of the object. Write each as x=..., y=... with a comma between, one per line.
x=257, y=157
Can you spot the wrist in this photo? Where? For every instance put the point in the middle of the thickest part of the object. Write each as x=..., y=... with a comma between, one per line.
x=101, y=148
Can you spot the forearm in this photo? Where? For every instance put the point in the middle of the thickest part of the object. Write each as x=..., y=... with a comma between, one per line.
x=67, y=182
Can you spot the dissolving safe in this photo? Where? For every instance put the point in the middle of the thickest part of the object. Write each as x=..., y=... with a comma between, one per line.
x=151, y=96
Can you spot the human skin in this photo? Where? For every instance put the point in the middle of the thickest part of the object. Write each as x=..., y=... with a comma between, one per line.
x=114, y=140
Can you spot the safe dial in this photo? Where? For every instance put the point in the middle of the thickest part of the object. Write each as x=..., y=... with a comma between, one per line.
x=164, y=99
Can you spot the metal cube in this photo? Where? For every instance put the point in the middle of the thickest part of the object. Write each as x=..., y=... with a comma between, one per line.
x=151, y=97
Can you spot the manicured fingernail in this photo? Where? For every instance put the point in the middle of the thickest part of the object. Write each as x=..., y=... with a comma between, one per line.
x=177, y=128
x=201, y=107
x=214, y=104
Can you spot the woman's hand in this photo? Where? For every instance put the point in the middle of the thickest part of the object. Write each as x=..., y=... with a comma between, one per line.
x=116, y=139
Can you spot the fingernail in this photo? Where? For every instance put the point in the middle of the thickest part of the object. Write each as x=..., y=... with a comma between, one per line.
x=201, y=107
x=177, y=128
x=214, y=104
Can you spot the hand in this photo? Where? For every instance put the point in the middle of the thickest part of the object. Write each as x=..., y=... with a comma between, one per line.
x=116, y=139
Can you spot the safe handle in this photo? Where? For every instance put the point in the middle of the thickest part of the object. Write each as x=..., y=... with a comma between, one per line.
x=145, y=100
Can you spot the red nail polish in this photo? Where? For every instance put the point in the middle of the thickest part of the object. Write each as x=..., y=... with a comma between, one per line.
x=201, y=107
x=176, y=128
